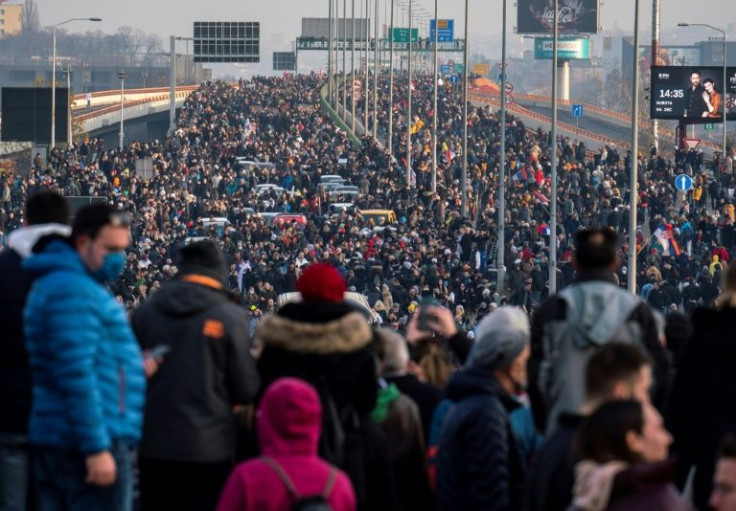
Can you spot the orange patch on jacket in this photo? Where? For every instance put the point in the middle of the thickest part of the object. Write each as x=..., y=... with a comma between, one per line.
x=213, y=328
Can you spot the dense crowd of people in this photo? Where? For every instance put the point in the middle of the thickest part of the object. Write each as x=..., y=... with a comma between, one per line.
x=420, y=401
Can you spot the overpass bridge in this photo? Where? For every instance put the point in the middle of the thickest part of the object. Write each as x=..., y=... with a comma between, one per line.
x=145, y=111
x=599, y=126
x=146, y=117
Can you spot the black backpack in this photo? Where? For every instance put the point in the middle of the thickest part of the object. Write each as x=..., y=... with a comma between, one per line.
x=302, y=503
x=337, y=425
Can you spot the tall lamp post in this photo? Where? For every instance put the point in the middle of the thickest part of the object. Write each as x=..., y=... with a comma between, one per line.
x=634, y=176
x=53, y=76
x=725, y=79
x=121, y=77
x=501, y=272
x=553, y=136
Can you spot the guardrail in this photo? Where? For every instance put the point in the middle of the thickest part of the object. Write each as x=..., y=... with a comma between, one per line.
x=610, y=114
x=561, y=126
x=128, y=104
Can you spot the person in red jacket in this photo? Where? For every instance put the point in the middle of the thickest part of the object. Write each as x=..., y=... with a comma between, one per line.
x=289, y=424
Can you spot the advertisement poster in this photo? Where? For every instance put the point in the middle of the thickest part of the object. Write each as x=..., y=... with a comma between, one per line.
x=693, y=94
x=574, y=17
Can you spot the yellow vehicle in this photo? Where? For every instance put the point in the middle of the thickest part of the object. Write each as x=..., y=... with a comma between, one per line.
x=388, y=215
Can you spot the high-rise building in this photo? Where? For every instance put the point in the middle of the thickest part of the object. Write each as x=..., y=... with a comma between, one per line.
x=11, y=19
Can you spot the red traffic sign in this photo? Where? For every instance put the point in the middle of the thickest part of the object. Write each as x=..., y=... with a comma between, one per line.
x=692, y=143
x=509, y=98
x=509, y=87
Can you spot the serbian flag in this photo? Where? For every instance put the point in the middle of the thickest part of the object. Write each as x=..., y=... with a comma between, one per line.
x=672, y=239
x=544, y=200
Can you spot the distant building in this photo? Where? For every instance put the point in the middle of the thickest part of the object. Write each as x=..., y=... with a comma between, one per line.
x=11, y=19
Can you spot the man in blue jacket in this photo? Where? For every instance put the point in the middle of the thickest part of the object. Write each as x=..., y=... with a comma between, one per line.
x=46, y=215
x=88, y=375
x=480, y=466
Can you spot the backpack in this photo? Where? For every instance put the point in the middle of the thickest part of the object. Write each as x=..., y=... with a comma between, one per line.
x=304, y=503
x=597, y=313
x=336, y=425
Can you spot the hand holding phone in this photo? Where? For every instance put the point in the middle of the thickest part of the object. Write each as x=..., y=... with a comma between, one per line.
x=157, y=351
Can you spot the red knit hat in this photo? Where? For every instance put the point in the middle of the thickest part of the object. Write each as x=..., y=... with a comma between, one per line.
x=321, y=282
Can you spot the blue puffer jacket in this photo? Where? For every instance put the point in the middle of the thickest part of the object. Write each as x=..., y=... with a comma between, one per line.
x=88, y=379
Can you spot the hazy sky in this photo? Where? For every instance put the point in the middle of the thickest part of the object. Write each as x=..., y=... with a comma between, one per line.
x=281, y=19
x=166, y=17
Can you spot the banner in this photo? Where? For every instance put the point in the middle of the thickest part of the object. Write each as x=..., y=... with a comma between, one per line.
x=693, y=94
x=574, y=17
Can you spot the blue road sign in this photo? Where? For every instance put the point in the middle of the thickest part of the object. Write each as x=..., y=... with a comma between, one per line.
x=683, y=182
x=445, y=34
x=577, y=111
x=453, y=78
x=501, y=77
x=444, y=69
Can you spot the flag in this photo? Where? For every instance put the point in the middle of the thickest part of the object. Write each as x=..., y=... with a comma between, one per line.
x=544, y=200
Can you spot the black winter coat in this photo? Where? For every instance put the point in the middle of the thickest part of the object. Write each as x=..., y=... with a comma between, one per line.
x=15, y=371
x=479, y=465
x=701, y=406
x=189, y=401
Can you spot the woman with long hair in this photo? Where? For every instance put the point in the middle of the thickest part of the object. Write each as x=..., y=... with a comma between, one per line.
x=623, y=447
x=712, y=99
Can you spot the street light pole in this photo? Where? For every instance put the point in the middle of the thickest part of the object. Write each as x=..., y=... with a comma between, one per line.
x=634, y=171
x=553, y=135
x=501, y=244
x=69, y=126
x=344, y=56
x=724, y=86
x=408, y=109
x=464, y=184
x=121, y=76
x=53, y=76
x=329, y=52
x=434, y=104
x=375, y=71
x=391, y=85
x=352, y=70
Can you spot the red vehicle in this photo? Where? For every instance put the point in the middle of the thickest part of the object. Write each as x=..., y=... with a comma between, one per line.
x=285, y=219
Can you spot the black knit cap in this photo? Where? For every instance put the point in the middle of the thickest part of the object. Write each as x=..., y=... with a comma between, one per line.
x=203, y=258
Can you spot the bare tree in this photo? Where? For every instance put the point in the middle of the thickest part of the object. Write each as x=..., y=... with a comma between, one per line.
x=30, y=19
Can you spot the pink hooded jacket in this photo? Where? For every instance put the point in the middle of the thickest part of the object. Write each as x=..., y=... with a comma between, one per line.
x=288, y=425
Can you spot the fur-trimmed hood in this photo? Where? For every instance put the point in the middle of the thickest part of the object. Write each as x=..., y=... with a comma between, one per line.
x=342, y=335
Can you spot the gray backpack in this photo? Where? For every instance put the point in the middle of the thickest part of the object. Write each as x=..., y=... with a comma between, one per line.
x=597, y=313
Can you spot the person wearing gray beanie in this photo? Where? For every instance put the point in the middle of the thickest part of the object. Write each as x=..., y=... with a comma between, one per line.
x=480, y=464
x=499, y=339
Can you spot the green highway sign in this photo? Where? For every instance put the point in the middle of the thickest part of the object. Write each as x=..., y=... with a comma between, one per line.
x=401, y=35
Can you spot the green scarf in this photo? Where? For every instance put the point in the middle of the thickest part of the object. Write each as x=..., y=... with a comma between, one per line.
x=386, y=396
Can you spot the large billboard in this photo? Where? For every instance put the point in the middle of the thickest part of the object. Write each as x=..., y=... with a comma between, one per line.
x=574, y=17
x=227, y=41
x=319, y=28
x=284, y=61
x=26, y=114
x=568, y=48
x=693, y=94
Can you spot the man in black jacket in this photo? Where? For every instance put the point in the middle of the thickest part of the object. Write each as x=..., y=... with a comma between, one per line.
x=479, y=462
x=189, y=433
x=46, y=214
x=616, y=371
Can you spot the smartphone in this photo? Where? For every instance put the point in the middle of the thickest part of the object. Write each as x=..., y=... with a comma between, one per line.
x=158, y=351
x=424, y=316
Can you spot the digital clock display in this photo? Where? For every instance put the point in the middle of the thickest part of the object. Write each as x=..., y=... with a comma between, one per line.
x=693, y=94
